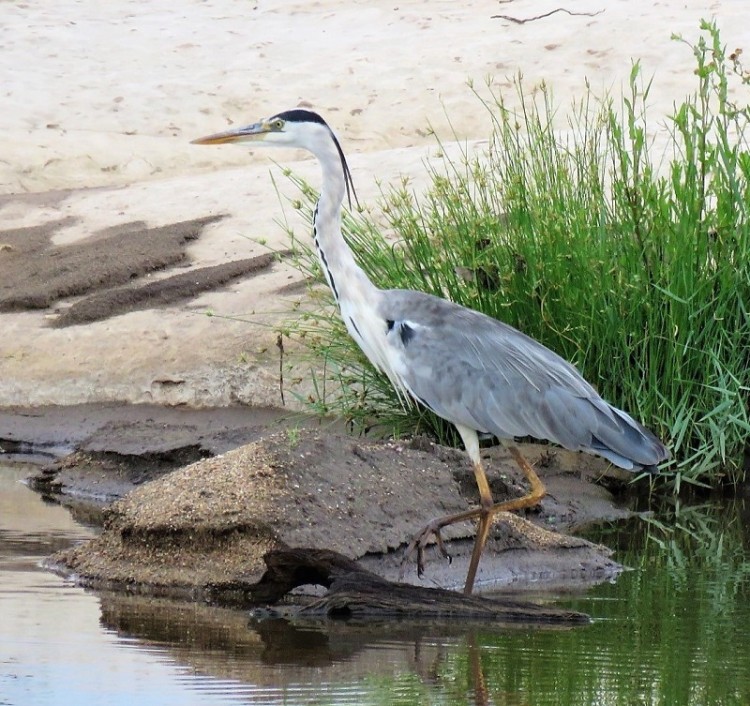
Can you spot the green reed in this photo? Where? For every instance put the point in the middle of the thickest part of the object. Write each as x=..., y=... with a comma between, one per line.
x=631, y=261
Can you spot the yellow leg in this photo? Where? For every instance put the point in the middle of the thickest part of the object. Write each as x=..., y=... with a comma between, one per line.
x=488, y=510
x=483, y=531
x=485, y=513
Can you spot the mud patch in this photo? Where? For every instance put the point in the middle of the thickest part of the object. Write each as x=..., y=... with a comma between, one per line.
x=107, y=269
x=34, y=273
x=105, y=476
x=163, y=292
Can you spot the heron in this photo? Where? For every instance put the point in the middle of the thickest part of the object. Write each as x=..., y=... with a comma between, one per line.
x=480, y=374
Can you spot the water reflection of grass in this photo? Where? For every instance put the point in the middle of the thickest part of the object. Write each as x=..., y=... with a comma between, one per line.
x=711, y=535
x=684, y=606
x=671, y=631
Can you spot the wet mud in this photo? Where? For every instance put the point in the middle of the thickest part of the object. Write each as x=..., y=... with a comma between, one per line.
x=118, y=270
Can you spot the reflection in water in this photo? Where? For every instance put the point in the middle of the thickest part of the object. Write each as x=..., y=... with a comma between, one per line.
x=339, y=662
x=672, y=631
x=269, y=653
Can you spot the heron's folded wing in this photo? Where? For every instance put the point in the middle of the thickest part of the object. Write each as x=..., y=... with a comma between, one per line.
x=476, y=371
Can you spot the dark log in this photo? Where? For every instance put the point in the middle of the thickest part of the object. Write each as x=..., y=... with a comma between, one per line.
x=354, y=592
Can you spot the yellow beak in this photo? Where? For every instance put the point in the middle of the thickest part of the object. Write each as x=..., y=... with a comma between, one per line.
x=242, y=134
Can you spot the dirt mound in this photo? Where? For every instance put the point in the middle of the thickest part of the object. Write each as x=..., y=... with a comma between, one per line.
x=203, y=530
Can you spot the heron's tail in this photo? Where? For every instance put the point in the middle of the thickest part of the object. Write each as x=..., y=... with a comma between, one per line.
x=628, y=444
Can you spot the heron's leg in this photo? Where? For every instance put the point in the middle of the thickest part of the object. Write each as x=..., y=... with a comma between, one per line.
x=483, y=526
x=537, y=492
x=432, y=529
x=487, y=512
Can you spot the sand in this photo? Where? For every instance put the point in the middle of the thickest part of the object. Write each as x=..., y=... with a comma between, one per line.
x=101, y=100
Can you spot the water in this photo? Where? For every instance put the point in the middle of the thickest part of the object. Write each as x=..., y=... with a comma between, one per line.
x=673, y=631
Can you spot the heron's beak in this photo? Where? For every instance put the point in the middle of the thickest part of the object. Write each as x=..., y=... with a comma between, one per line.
x=243, y=134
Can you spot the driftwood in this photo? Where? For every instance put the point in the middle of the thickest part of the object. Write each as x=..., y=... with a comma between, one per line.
x=519, y=21
x=354, y=592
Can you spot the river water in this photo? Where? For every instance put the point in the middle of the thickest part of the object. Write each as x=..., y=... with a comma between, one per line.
x=672, y=631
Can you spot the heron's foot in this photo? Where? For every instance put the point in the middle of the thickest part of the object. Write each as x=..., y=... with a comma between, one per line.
x=419, y=544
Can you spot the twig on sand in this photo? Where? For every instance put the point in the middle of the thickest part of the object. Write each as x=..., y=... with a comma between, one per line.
x=541, y=17
x=280, y=346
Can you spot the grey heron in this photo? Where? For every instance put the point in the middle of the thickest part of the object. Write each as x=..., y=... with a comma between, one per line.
x=470, y=369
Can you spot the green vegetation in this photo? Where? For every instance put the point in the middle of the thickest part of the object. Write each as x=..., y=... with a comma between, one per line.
x=629, y=256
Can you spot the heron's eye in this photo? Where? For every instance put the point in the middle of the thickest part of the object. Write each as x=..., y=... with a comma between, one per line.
x=277, y=124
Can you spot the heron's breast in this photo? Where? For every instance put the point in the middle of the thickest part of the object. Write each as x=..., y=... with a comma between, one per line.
x=373, y=334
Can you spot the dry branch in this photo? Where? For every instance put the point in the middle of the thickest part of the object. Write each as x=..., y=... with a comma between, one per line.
x=356, y=593
x=541, y=17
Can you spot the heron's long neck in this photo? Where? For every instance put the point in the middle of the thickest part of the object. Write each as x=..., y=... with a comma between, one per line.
x=345, y=277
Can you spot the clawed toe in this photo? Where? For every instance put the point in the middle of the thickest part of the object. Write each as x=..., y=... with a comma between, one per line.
x=419, y=543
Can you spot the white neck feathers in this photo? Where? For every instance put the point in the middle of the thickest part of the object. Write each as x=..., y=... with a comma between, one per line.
x=346, y=279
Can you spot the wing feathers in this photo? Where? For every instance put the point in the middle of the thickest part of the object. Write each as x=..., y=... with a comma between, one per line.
x=476, y=371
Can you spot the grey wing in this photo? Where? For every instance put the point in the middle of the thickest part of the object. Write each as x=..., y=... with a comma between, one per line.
x=474, y=370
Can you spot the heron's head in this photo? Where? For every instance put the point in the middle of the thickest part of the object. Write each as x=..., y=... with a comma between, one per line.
x=292, y=128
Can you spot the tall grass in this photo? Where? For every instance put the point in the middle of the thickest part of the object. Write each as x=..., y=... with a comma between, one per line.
x=630, y=261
